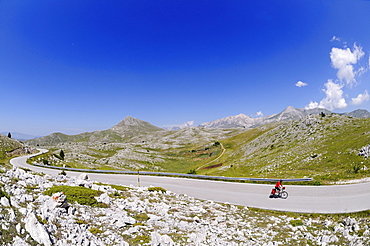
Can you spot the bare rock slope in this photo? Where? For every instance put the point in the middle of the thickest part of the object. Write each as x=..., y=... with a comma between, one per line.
x=151, y=216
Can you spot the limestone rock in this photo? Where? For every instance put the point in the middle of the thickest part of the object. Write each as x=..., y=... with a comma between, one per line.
x=19, y=242
x=104, y=198
x=59, y=200
x=364, y=151
x=37, y=230
x=160, y=240
x=4, y=201
x=84, y=180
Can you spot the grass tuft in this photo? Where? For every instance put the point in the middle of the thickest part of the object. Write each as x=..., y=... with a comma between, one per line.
x=81, y=195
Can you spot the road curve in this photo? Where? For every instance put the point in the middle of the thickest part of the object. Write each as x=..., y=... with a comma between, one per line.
x=304, y=199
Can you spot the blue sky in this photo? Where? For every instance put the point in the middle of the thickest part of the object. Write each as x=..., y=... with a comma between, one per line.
x=76, y=66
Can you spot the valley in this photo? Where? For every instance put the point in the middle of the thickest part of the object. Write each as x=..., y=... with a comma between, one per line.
x=322, y=146
x=330, y=148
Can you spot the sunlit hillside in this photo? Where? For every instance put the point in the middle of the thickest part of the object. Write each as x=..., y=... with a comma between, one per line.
x=323, y=147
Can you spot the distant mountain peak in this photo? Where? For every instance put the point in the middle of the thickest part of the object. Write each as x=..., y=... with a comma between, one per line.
x=289, y=113
x=289, y=109
x=359, y=113
x=130, y=123
x=129, y=120
x=242, y=116
x=240, y=120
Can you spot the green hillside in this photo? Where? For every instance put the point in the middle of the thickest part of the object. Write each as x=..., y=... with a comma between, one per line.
x=321, y=147
x=6, y=145
x=59, y=138
x=324, y=148
x=122, y=132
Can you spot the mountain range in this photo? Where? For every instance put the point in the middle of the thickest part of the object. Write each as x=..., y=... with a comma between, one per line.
x=126, y=129
x=290, y=113
x=130, y=126
x=295, y=142
x=20, y=136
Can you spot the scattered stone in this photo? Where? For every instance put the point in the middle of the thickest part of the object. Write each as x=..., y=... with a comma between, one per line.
x=364, y=151
x=139, y=217
x=19, y=242
x=4, y=201
x=160, y=240
x=84, y=181
x=36, y=229
x=104, y=198
x=59, y=200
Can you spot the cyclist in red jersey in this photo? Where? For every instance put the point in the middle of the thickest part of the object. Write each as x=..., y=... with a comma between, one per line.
x=279, y=186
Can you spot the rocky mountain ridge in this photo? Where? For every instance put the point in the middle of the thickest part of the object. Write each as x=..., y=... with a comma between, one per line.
x=359, y=113
x=291, y=149
x=242, y=120
x=130, y=126
x=127, y=128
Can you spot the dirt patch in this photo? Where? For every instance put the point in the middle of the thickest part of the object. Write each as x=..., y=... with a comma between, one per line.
x=213, y=166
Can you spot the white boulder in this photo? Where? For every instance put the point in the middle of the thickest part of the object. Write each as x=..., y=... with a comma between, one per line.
x=104, y=198
x=4, y=201
x=84, y=180
x=36, y=230
x=160, y=240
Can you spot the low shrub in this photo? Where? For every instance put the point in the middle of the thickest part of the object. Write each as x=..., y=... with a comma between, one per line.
x=141, y=217
x=63, y=173
x=80, y=221
x=296, y=222
x=192, y=171
x=81, y=195
x=3, y=193
x=95, y=230
x=159, y=189
x=120, y=187
x=41, y=220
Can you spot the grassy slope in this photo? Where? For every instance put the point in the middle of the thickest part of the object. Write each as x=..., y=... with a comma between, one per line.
x=7, y=144
x=326, y=150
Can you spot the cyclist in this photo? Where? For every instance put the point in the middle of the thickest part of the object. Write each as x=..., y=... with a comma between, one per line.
x=279, y=186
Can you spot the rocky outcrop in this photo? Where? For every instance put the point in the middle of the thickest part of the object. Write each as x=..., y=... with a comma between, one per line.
x=36, y=230
x=136, y=216
x=161, y=240
x=83, y=180
x=364, y=151
x=4, y=202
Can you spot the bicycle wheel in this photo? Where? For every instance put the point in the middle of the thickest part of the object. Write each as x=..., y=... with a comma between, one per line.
x=284, y=195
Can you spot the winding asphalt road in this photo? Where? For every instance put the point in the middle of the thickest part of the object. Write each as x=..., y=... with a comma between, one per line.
x=304, y=199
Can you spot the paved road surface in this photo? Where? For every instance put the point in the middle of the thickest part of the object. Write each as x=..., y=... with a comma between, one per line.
x=306, y=199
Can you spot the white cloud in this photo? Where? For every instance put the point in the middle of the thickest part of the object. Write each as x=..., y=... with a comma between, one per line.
x=186, y=124
x=300, y=84
x=259, y=114
x=348, y=70
x=335, y=38
x=361, y=98
x=334, y=97
x=312, y=105
x=343, y=60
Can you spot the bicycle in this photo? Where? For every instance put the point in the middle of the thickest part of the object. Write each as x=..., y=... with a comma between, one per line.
x=283, y=194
